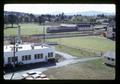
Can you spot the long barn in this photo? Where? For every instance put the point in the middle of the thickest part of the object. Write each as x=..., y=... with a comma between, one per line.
x=70, y=27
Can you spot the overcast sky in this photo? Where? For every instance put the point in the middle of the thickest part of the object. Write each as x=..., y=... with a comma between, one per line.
x=59, y=8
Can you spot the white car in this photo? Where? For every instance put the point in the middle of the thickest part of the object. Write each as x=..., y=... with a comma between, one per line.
x=29, y=78
x=31, y=73
x=34, y=76
x=25, y=75
x=43, y=76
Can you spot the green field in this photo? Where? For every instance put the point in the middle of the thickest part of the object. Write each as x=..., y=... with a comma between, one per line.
x=26, y=29
x=97, y=43
x=75, y=52
x=95, y=69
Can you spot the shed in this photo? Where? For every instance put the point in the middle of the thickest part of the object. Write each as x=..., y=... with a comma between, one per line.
x=110, y=58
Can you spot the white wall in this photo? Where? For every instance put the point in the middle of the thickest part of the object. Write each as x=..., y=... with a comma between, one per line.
x=45, y=52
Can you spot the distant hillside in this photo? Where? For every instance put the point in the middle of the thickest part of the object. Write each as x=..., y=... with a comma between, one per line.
x=91, y=13
x=87, y=13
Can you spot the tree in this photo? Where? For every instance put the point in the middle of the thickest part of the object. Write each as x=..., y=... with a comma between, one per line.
x=26, y=19
x=6, y=19
x=62, y=16
x=32, y=18
x=13, y=19
x=41, y=19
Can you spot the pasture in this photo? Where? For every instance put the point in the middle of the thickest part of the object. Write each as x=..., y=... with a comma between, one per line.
x=26, y=29
x=97, y=43
x=95, y=70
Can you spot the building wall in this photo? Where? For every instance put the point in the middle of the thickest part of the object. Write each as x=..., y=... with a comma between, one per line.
x=109, y=32
x=110, y=61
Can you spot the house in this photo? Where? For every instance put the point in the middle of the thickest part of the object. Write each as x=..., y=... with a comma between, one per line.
x=27, y=53
x=111, y=33
x=110, y=58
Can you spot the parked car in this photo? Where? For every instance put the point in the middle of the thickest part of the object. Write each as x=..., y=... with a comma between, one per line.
x=34, y=76
x=31, y=73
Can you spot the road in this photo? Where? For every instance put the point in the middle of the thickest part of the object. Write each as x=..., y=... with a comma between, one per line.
x=68, y=60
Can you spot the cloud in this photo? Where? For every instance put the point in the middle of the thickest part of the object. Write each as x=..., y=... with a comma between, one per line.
x=59, y=8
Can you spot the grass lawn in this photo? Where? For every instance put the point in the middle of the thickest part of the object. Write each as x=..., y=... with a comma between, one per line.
x=26, y=29
x=75, y=52
x=97, y=43
x=94, y=69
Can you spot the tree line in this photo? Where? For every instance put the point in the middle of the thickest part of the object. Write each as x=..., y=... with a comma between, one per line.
x=30, y=18
x=17, y=18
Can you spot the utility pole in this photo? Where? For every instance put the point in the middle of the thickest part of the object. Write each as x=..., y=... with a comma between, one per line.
x=13, y=59
x=18, y=35
x=44, y=34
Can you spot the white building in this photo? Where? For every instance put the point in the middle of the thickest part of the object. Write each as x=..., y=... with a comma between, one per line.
x=28, y=53
x=110, y=58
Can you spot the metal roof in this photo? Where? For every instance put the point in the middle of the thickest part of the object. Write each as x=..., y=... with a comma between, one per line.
x=68, y=25
x=22, y=47
x=109, y=54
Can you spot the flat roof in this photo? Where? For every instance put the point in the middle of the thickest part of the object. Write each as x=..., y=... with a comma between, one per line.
x=22, y=47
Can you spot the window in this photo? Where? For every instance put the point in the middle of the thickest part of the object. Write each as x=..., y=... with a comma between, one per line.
x=50, y=54
x=12, y=59
x=38, y=56
x=41, y=55
x=9, y=59
x=35, y=56
x=29, y=57
x=112, y=59
x=15, y=58
x=23, y=58
x=108, y=58
x=26, y=57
